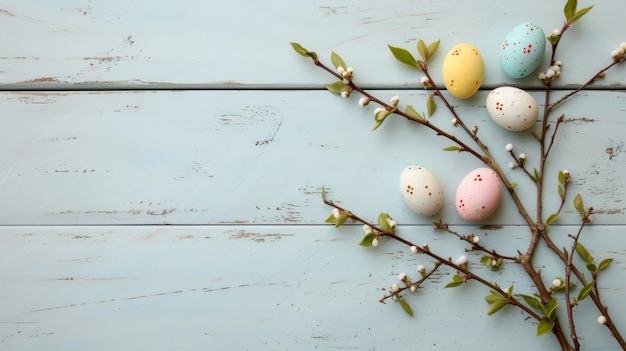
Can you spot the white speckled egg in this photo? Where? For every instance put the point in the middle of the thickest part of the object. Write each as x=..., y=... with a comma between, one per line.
x=421, y=190
x=522, y=50
x=478, y=194
x=463, y=71
x=512, y=108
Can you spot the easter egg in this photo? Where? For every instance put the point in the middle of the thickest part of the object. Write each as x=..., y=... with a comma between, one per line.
x=512, y=108
x=421, y=190
x=522, y=50
x=478, y=195
x=463, y=71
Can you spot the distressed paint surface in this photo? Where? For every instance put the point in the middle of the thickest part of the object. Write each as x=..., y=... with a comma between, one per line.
x=187, y=43
x=137, y=214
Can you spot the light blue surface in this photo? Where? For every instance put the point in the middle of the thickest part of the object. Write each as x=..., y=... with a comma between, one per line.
x=175, y=219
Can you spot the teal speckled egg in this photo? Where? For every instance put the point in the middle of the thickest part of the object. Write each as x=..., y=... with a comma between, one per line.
x=522, y=50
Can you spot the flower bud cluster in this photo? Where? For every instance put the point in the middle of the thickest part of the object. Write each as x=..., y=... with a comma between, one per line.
x=619, y=54
x=552, y=72
x=346, y=73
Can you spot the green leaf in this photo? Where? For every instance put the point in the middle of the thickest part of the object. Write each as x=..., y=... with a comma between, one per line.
x=368, y=239
x=545, y=326
x=570, y=9
x=411, y=112
x=337, y=60
x=302, y=51
x=551, y=307
x=592, y=268
x=536, y=136
x=335, y=87
x=562, y=178
x=453, y=284
x=579, y=206
x=486, y=260
x=583, y=253
x=561, y=192
x=579, y=14
x=497, y=306
x=586, y=290
x=452, y=148
x=537, y=176
x=493, y=297
x=405, y=306
x=553, y=217
x=456, y=281
x=513, y=185
x=381, y=115
x=531, y=301
x=432, y=48
x=323, y=193
x=341, y=220
x=331, y=219
x=422, y=49
x=404, y=56
x=605, y=263
x=382, y=222
x=431, y=105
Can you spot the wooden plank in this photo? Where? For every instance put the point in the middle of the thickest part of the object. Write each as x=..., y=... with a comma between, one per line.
x=77, y=44
x=275, y=287
x=211, y=157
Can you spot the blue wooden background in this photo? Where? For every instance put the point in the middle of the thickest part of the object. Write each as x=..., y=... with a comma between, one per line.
x=161, y=166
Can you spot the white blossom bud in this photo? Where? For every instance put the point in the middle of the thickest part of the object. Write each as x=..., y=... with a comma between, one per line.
x=542, y=75
x=364, y=101
x=556, y=283
x=556, y=68
x=589, y=219
x=623, y=45
x=558, y=63
x=336, y=213
x=556, y=32
x=602, y=320
x=378, y=109
x=615, y=54
x=341, y=70
x=350, y=70
x=395, y=100
x=454, y=121
x=620, y=50
x=375, y=242
x=424, y=80
x=414, y=249
x=494, y=262
x=413, y=288
x=395, y=287
x=402, y=276
x=461, y=260
x=509, y=147
x=345, y=94
x=367, y=229
x=566, y=173
x=522, y=156
x=475, y=240
x=512, y=165
x=550, y=73
x=421, y=269
x=392, y=224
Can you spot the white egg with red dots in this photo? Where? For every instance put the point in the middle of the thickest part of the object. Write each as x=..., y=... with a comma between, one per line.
x=512, y=108
x=421, y=190
x=478, y=194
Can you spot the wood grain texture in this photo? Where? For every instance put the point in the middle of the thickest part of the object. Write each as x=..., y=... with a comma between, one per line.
x=269, y=287
x=161, y=166
x=262, y=157
x=241, y=43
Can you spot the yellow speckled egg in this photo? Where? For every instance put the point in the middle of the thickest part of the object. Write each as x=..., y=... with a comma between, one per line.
x=463, y=70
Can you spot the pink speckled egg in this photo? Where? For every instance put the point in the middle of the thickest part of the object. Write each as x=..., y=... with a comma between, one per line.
x=478, y=194
x=421, y=190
